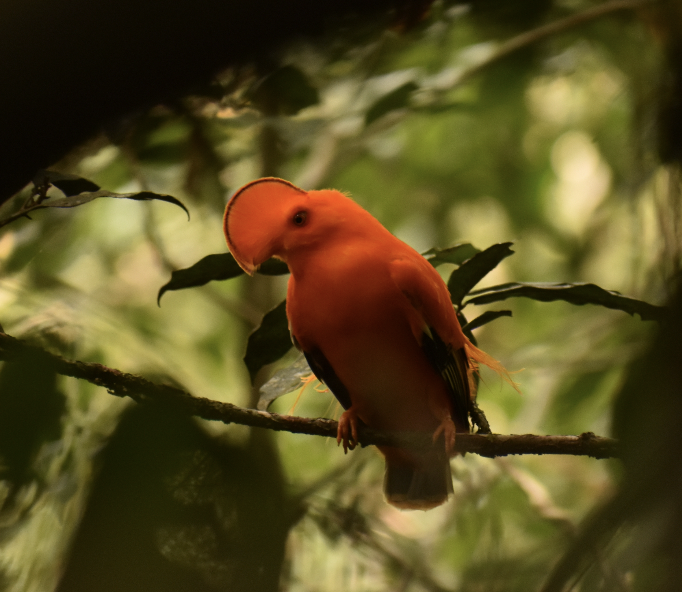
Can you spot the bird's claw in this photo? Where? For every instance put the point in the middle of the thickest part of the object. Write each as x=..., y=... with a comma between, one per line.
x=348, y=430
x=447, y=428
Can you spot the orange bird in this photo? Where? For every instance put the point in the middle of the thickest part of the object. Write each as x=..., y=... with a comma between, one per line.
x=374, y=320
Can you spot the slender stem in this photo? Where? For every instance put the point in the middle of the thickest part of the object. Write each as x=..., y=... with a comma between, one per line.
x=23, y=212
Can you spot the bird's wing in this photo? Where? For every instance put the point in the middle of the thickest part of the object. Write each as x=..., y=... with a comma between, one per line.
x=439, y=335
x=453, y=366
x=324, y=371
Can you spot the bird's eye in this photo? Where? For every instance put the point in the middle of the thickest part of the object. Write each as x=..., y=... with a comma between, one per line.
x=299, y=218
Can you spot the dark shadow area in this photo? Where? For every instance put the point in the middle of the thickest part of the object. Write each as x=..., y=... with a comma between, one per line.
x=173, y=509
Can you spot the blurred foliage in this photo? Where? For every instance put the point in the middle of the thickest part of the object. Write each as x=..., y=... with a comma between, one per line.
x=31, y=409
x=167, y=506
x=563, y=146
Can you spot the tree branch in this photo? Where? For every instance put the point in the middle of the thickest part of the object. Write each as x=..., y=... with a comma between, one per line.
x=545, y=31
x=142, y=390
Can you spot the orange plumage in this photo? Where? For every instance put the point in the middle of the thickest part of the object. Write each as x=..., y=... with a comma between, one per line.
x=374, y=320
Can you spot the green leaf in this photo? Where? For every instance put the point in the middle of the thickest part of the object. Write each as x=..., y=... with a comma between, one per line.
x=269, y=342
x=578, y=294
x=212, y=267
x=215, y=267
x=274, y=267
x=71, y=201
x=66, y=183
x=485, y=318
x=396, y=99
x=457, y=254
x=464, y=324
x=472, y=271
x=283, y=381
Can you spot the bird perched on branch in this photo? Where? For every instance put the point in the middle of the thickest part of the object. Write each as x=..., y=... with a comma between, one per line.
x=374, y=320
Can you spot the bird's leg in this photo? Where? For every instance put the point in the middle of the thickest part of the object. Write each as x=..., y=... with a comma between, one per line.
x=447, y=428
x=479, y=418
x=348, y=429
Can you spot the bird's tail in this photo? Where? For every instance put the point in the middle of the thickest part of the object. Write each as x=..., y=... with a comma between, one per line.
x=419, y=485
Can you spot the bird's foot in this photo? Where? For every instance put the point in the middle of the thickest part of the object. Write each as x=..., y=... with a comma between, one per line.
x=306, y=380
x=447, y=428
x=348, y=430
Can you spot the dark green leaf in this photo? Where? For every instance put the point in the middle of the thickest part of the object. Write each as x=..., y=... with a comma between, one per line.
x=284, y=92
x=457, y=254
x=283, y=381
x=215, y=267
x=574, y=293
x=68, y=184
x=472, y=271
x=212, y=267
x=273, y=267
x=485, y=318
x=464, y=324
x=269, y=342
x=396, y=99
x=72, y=201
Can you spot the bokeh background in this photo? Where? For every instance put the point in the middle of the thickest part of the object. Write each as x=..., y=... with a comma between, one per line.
x=564, y=144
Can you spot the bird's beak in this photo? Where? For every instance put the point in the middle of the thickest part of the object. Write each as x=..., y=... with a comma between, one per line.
x=251, y=264
x=248, y=267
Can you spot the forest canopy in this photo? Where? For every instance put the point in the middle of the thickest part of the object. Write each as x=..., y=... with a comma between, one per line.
x=531, y=151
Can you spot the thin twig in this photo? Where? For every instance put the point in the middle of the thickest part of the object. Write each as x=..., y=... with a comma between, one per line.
x=142, y=390
x=22, y=213
x=543, y=32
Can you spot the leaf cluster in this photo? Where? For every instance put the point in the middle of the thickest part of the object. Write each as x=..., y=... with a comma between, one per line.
x=271, y=340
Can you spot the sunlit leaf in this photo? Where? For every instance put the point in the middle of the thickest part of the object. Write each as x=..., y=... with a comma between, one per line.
x=579, y=294
x=457, y=254
x=269, y=342
x=218, y=267
x=396, y=99
x=472, y=271
x=485, y=318
x=283, y=381
x=78, y=191
x=71, y=201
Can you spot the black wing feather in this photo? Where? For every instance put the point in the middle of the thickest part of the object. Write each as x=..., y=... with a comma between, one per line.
x=453, y=366
x=324, y=372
